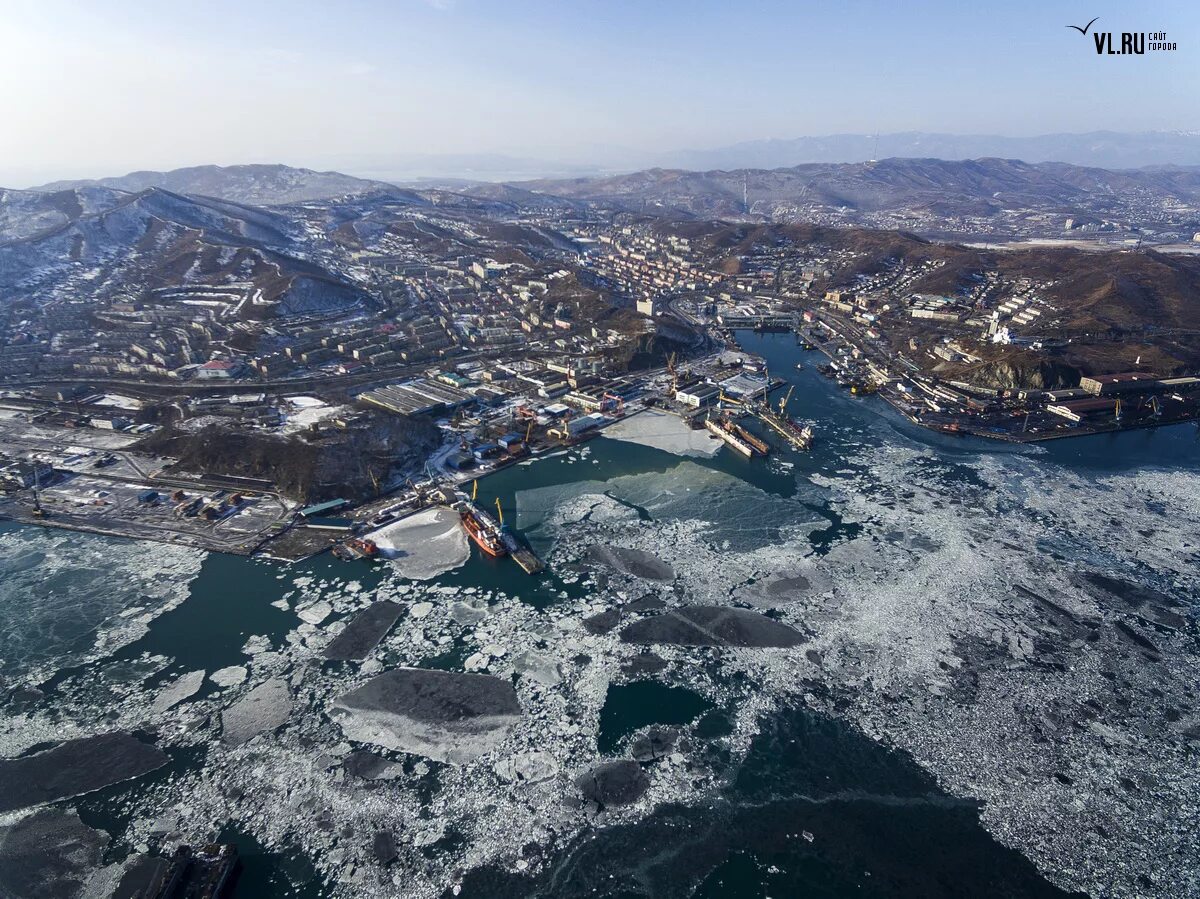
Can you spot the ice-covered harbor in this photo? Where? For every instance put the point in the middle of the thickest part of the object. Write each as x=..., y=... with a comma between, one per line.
x=424, y=545
x=665, y=431
x=765, y=673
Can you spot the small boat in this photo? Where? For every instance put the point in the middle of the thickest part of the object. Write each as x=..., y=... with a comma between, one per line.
x=799, y=366
x=355, y=548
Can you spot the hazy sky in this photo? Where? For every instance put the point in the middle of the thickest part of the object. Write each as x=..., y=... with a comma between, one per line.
x=108, y=86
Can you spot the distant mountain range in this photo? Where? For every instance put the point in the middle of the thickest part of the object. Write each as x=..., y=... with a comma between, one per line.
x=27, y=213
x=287, y=258
x=936, y=188
x=1100, y=149
x=260, y=185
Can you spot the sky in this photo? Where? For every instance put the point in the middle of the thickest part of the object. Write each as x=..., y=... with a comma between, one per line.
x=97, y=88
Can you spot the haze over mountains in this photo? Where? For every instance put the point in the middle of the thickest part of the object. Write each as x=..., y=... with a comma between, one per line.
x=1100, y=149
x=974, y=187
x=263, y=185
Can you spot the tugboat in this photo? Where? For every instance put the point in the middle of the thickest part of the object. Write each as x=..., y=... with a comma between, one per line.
x=355, y=548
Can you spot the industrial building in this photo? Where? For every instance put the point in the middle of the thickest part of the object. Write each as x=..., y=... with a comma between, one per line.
x=744, y=386
x=698, y=395
x=417, y=397
x=1124, y=382
x=1078, y=410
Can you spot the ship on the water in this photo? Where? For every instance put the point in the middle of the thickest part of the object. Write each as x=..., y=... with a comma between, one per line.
x=483, y=530
x=494, y=537
x=798, y=435
x=355, y=548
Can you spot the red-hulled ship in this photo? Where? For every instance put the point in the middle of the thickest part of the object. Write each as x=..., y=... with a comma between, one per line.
x=482, y=528
x=355, y=548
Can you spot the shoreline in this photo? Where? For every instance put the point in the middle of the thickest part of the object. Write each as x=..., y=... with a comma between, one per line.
x=970, y=430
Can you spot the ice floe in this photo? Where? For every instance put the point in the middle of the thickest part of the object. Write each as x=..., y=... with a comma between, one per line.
x=665, y=431
x=424, y=545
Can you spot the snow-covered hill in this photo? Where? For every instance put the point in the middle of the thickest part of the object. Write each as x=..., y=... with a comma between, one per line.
x=266, y=185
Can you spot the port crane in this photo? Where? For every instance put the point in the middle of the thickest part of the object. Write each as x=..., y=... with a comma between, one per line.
x=786, y=399
x=38, y=511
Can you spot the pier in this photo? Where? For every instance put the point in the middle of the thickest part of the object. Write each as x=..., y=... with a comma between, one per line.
x=730, y=438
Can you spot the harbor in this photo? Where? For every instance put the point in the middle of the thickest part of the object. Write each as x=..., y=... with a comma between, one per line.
x=861, y=513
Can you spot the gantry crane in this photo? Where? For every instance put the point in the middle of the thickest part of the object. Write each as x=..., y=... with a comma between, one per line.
x=620, y=401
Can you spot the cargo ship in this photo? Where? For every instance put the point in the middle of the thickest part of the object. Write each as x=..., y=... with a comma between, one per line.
x=482, y=528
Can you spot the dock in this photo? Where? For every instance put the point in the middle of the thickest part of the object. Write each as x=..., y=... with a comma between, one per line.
x=760, y=446
x=528, y=560
x=799, y=438
x=730, y=438
x=520, y=551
